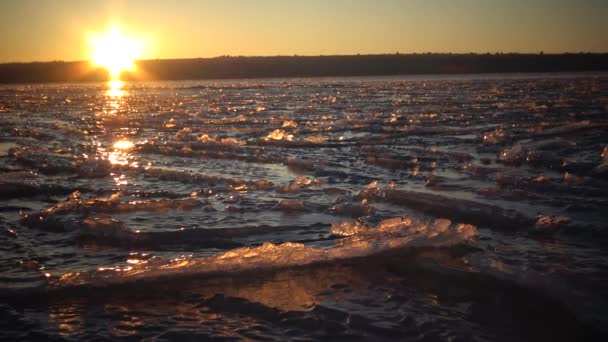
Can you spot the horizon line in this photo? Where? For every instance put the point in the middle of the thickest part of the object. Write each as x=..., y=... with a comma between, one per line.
x=539, y=53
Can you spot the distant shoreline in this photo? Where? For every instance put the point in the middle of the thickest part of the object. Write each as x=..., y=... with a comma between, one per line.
x=227, y=67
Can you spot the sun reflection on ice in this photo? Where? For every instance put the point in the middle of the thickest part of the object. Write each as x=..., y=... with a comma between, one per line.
x=123, y=145
x=119, y=152
x=67, y=318
x=115, y=89
x=118, y=158
x=120, y=155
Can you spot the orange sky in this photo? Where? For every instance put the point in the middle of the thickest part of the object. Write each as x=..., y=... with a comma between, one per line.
x=44, y=30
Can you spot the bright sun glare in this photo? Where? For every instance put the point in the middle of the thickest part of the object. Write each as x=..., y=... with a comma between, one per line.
x=123, y=145
x=115, y=51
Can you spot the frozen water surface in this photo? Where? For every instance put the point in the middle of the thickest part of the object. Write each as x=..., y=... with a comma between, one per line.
x=408, y=208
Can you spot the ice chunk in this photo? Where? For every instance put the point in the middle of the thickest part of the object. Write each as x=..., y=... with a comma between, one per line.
x=10, y=233
x=77, y=205
x=302, y=180
x=358, y=241
x=371, y=191
x=279, y=134
x=30, y=265
x=571, y=179
x=546, y=223
x=453, y=208
x=104, y=230
x=46, y=163
x=94, y=168
x=220, y=141
x=439, y=225
x=354, y=209
x=160, y=205
x=345, y=228
x=291, y=205
x=289, y=124
x=496, y=136
x=602, y=169
x=512, y=155
x=184, y=135
x=261, y=184
x=315, y=139
x=300, y=183
x=395, y=223
x=392, y=227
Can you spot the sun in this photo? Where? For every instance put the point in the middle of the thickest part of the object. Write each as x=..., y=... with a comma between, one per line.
x=115, y=51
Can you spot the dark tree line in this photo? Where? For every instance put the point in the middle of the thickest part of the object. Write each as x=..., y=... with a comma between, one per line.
x=306, y=66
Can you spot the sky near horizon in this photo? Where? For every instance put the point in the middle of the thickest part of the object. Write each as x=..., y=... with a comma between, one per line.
x=44, y=30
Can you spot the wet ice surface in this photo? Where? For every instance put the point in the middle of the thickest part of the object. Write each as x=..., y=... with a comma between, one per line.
x=437, y=208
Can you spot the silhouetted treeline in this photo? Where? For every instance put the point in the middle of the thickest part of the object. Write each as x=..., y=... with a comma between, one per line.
x=306, y=66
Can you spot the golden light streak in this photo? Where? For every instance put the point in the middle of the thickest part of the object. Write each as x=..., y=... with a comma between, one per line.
x=115, y=90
